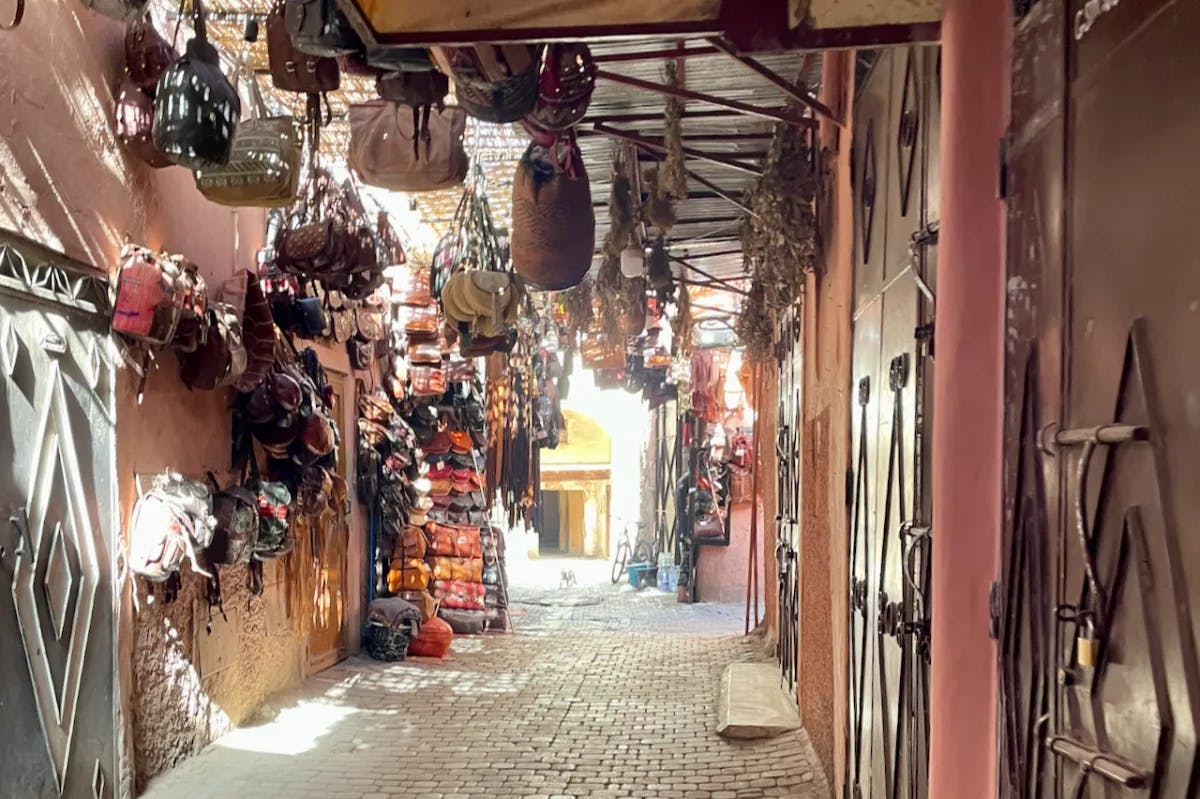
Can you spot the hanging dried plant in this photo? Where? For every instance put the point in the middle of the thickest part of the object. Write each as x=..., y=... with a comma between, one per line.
x=578, y=308
x=681, y=325
x=622, y=218
x=754, y=326
x=673, y=180
x=660, y=208
x=779, y=239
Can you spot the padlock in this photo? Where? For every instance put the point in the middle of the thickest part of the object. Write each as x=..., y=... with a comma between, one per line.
x=1087, y=647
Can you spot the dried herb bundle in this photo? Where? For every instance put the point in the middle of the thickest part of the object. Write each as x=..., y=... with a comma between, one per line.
x=681, y=325
x=754, y=326
x=622, y=218
x=577, y=305
x=673, y=179
x=779, y=240
x=660, y=208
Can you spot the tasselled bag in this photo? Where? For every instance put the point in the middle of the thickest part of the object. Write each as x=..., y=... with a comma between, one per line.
x=196, y=108
x=291, y=69
x=408, y=149
x=264, y=165
x=554, y=226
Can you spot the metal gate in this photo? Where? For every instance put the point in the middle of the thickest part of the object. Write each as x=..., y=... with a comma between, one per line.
x=787, y=519
x=888, y=558
x=1100, y=681
x=57, y=494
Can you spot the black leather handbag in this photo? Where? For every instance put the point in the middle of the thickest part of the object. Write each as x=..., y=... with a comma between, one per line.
x=196, y=108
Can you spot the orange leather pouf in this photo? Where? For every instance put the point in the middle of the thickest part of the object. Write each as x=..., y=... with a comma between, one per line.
x=433, y=641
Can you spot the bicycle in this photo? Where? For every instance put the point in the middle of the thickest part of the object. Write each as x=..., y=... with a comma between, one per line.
x=641, y=552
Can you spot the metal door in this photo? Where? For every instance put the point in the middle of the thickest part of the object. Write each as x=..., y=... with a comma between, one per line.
x=57, y=541
x=888, y=557
x=787, y=519
x=1101, y=678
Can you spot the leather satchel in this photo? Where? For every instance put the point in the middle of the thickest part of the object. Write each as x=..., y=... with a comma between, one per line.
x=150, y=296
x=291, y=69
x=415, y=89
x=147, y=54
x=222, y=358
x=196, y=109
x=404, y=149
x=236, y=532
x=427, y=381
x=264, y=164
x=601, y=352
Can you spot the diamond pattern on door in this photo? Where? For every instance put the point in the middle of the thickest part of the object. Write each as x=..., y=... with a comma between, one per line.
x=59, y=545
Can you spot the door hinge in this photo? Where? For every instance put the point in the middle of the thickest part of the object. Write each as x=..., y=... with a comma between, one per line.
x=994, y=610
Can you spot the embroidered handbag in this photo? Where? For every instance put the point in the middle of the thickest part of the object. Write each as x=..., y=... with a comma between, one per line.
x=264, y=164
x=169, y=523
x=196, y=109
x=150, y=296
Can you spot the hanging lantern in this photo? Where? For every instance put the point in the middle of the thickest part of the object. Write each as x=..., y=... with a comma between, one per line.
x=633, y=262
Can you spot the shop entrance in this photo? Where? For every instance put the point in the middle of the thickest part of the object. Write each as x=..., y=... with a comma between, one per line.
x=575, y=487
x=896, y=213
x=1099, y=677
x=56, y=544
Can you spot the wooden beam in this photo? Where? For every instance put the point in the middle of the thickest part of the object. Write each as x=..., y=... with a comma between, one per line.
x=787, y=116
x=786, y=86
x=714, y=158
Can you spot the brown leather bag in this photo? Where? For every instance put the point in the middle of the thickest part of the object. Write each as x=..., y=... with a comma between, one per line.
x=292, y=70
x=554, y=227
x=147, y=54
x=406, y=149
x=602, y=352
x=135, y=125
x=222, y=358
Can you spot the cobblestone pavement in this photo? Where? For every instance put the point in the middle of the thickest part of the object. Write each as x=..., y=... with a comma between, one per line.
x=602, y=692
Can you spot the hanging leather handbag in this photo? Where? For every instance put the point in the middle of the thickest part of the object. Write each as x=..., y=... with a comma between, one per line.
x=318, y=28
x=411, y=286
x=554, y=227
x=371, y=320
x=565, y=85
x=150, y=296
x=493, y=83
x=196, y=109
x=390, y=58
x=169, y=523
x=191, y=331
x=222, y=358
x=427, y=381
x=406, y=149
x=123, y=10
x=414, y=89
x=291, y=69
x=421, y=323
x=317, y=245
x=235, y=509
x=147, y=54
x=264, y=164
x=313, y=319
x=599, y=351
x=135, y=125
x=258, y=335
x=341, y=318
x=425, y=352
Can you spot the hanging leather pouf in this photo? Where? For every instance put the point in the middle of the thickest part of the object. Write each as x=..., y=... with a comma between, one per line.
x=554, y=227
x=196, y=109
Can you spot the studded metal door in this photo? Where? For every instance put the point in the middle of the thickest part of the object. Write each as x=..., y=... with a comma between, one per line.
x=1100, y=690
x=56, y=543
x=888, y=558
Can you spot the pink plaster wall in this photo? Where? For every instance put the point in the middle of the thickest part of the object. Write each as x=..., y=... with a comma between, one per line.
x=968, y=386
x=722, y=572
x=66, y=183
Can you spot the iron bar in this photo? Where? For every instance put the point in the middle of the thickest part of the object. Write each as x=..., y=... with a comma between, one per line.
x=710, y=254
x=657, y=116
x=786, y=86
x=717, y=190
x=654, y=55
x=718, y=281
x=1102, y=434
x=714, y=158
x=717, y=137
x=1096, y=761
x=775, y=114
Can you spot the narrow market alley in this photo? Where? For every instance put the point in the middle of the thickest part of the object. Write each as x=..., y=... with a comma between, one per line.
x=562, y=708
